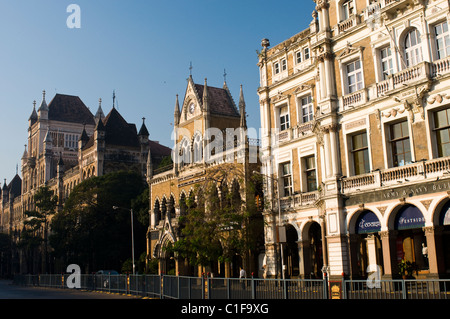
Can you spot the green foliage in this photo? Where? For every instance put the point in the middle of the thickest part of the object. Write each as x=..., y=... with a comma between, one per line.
x=88, y=231
x=216, y=228
x=34, y=232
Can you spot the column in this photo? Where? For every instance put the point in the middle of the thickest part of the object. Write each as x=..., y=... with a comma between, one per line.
x=334, y=151
x=387, y=243
x=433, y=235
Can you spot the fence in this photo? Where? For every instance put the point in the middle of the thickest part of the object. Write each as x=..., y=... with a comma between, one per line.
x=182, y=287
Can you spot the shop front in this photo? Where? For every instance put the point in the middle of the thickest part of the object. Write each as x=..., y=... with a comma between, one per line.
x=365, y=245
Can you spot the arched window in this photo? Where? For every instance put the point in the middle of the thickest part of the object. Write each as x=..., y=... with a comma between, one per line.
x=413, y=48
x=198, y=149
x=185, y=152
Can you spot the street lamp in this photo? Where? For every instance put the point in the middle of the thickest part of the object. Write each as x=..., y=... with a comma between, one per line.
x=279, y=219
x=132, y=235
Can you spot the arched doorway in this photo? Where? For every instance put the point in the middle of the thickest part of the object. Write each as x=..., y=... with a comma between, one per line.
x=312, y=251
x=365, y=244
x=291, y=259
x=444, y=223
x=410, y=243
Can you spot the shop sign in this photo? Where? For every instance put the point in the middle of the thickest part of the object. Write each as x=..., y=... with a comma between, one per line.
x=367, y=223
x=408, y=218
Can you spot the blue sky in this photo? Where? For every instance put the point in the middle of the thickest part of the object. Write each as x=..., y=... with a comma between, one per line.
x=142, y=49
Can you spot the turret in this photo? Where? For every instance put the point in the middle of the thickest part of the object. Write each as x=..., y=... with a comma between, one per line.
x=33, y=117
x=43, y=108
x=99, y=116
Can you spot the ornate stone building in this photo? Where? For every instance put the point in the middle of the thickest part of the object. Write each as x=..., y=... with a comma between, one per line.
x=210, y=131
x=355, y=117
x=68, y=144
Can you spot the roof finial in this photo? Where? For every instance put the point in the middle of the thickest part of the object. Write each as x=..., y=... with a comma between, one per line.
x=34, y=104
x=224, y=76
x=190, y=69
x=143, y=120
x=43, y=95
x=114, y=99
x=100, y=102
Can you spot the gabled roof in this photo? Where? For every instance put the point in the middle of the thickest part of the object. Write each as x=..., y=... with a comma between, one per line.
x=220, y=101
x=118, y=131
x=69, y=108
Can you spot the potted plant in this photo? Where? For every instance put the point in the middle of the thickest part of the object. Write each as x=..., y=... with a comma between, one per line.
x=405, y=268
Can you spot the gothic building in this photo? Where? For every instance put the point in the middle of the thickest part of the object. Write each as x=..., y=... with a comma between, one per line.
x=68, y=144
x=210, y=132
x=355, y=118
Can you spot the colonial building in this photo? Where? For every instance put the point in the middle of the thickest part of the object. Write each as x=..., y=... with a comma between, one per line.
x=210, y=131
x=355, y=114
x=68, y=144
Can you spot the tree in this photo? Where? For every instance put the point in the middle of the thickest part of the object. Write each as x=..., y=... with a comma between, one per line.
x=89, y=232
x=216, y=228
x=36, y=227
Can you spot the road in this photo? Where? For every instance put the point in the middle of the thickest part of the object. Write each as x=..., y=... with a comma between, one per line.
x=10, y=291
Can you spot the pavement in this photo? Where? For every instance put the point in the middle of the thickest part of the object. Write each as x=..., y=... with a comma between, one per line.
x=10, y=291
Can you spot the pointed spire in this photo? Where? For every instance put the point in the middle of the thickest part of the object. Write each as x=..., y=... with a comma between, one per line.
x=33, y=117
x=114, y=99
x=99, y=115
x=25, y=153
x=143, y=131
x=242, y=108
x=43, y=106
x=205, y=97
x=176, y=113
x=84, y=137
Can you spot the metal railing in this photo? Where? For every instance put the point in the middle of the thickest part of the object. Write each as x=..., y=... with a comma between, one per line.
x=183, y=287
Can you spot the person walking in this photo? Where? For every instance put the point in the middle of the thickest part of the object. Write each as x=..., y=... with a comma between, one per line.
x=242, y=277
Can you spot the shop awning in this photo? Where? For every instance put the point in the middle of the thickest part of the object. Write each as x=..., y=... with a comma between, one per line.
x=409, y=217
x=367, y=222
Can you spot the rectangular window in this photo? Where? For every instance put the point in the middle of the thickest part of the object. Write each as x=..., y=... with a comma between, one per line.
x=442, y=130
x=286, y=178
x=347, y=9
x=354, y=76
x=302, y=55
x=306, y=53
x=442, y=40
x=276, y=67
x=307, y=109
x=310, y=173
x=284, y=118
x=400, y=146
x=360, y=153
x=283, y=65
x=299, y=57
x=386, y=62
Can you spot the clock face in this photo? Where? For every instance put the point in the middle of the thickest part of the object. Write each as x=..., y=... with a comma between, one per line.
x=191, y=108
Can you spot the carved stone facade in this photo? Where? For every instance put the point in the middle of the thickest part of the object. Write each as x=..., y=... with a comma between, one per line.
x=210, y=134
x=66, y=145
x=358, y=158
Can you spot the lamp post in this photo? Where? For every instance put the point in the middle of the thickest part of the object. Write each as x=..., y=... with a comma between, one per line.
x=132, y=235
x=279, y=219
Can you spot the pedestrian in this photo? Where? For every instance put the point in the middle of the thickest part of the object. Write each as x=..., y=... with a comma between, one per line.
x=242, y=277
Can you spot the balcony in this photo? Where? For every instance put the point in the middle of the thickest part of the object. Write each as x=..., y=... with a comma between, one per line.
x=354, y=99
x=416, y=172
x=297, y=201
x=421, y=72
x=345, y=25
